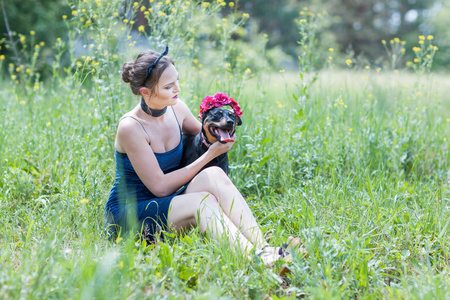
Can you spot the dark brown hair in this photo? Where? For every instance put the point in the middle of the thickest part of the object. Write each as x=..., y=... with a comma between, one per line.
x=133, y=72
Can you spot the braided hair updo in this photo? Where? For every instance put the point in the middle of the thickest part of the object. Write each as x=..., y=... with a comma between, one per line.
x=133, y=72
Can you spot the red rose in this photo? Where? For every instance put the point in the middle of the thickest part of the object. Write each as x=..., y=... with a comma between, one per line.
x=219, y=100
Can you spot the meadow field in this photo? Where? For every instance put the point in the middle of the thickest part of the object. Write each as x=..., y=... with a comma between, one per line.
x=353, y=160
x=359, y=171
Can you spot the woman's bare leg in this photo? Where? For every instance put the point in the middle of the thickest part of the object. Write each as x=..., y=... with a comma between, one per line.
x=214, y=181
x=202, y=208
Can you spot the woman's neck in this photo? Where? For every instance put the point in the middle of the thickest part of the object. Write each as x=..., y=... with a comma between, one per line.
x=150, y=111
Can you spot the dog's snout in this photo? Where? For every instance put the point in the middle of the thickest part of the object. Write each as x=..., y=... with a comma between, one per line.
x=230, y=122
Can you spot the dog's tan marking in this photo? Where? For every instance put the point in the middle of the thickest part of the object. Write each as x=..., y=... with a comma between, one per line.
x=210, y=138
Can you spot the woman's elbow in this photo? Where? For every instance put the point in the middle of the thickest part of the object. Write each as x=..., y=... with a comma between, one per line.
x=160, y=191
x=162, y=194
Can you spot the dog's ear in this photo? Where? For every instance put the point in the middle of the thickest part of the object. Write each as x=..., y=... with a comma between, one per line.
x=238, y=121
x=204, y=116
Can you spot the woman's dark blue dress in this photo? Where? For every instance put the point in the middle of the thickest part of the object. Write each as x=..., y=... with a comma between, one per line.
x=131, y=203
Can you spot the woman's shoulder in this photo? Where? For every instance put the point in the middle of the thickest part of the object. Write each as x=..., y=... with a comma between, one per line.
x=181, y=107
x=131, y=125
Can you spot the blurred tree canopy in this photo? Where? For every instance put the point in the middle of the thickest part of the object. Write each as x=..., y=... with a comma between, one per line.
x=353, y=27
x=44, y=17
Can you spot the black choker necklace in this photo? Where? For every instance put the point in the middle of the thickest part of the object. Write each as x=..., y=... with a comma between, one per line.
x=152, y=112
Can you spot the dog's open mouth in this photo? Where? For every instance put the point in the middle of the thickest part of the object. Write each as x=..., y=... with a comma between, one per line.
x=222, y=134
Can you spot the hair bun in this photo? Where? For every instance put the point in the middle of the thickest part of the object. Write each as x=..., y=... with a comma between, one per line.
x=127, y=71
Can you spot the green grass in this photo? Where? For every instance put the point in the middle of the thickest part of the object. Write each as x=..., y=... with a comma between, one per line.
x=360, y=171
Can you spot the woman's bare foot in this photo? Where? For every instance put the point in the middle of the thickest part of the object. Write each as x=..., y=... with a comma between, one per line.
x=269, y=255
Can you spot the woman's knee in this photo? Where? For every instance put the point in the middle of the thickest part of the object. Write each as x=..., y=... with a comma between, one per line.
x=207, y=200
x=185, y=209
x=214, y=176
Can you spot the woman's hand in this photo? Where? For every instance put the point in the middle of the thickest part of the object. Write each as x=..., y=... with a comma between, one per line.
x=218, y=148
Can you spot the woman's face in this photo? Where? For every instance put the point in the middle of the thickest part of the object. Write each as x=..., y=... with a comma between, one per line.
x=167, y=89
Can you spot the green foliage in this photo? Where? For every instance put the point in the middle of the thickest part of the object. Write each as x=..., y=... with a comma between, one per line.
x=356, y=164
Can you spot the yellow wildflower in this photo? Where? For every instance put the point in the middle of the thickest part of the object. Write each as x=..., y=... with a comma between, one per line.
x=331, y=49
x=430, y=37
x=416, y=60
x=421, y=37
x=141, y=28
x=248, y=71
x=74, y=13
x=2, y=57
x=231, y=4
x=161, y=14
x=245, y=15
x=32, y=32
x=115, y=14
x=64, y=17
x=348, y=62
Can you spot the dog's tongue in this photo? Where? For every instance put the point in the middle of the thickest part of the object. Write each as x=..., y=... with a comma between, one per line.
x=224, y=135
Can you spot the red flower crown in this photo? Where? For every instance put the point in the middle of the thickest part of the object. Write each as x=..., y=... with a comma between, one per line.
x=219, y=100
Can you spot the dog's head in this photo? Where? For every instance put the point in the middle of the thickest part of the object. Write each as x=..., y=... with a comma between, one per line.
x=219, y=124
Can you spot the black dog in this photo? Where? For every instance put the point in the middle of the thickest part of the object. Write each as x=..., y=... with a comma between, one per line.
x=218, y=124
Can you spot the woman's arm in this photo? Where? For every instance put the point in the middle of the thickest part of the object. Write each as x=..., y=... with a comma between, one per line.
x=133, y=140
x=189, y=124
